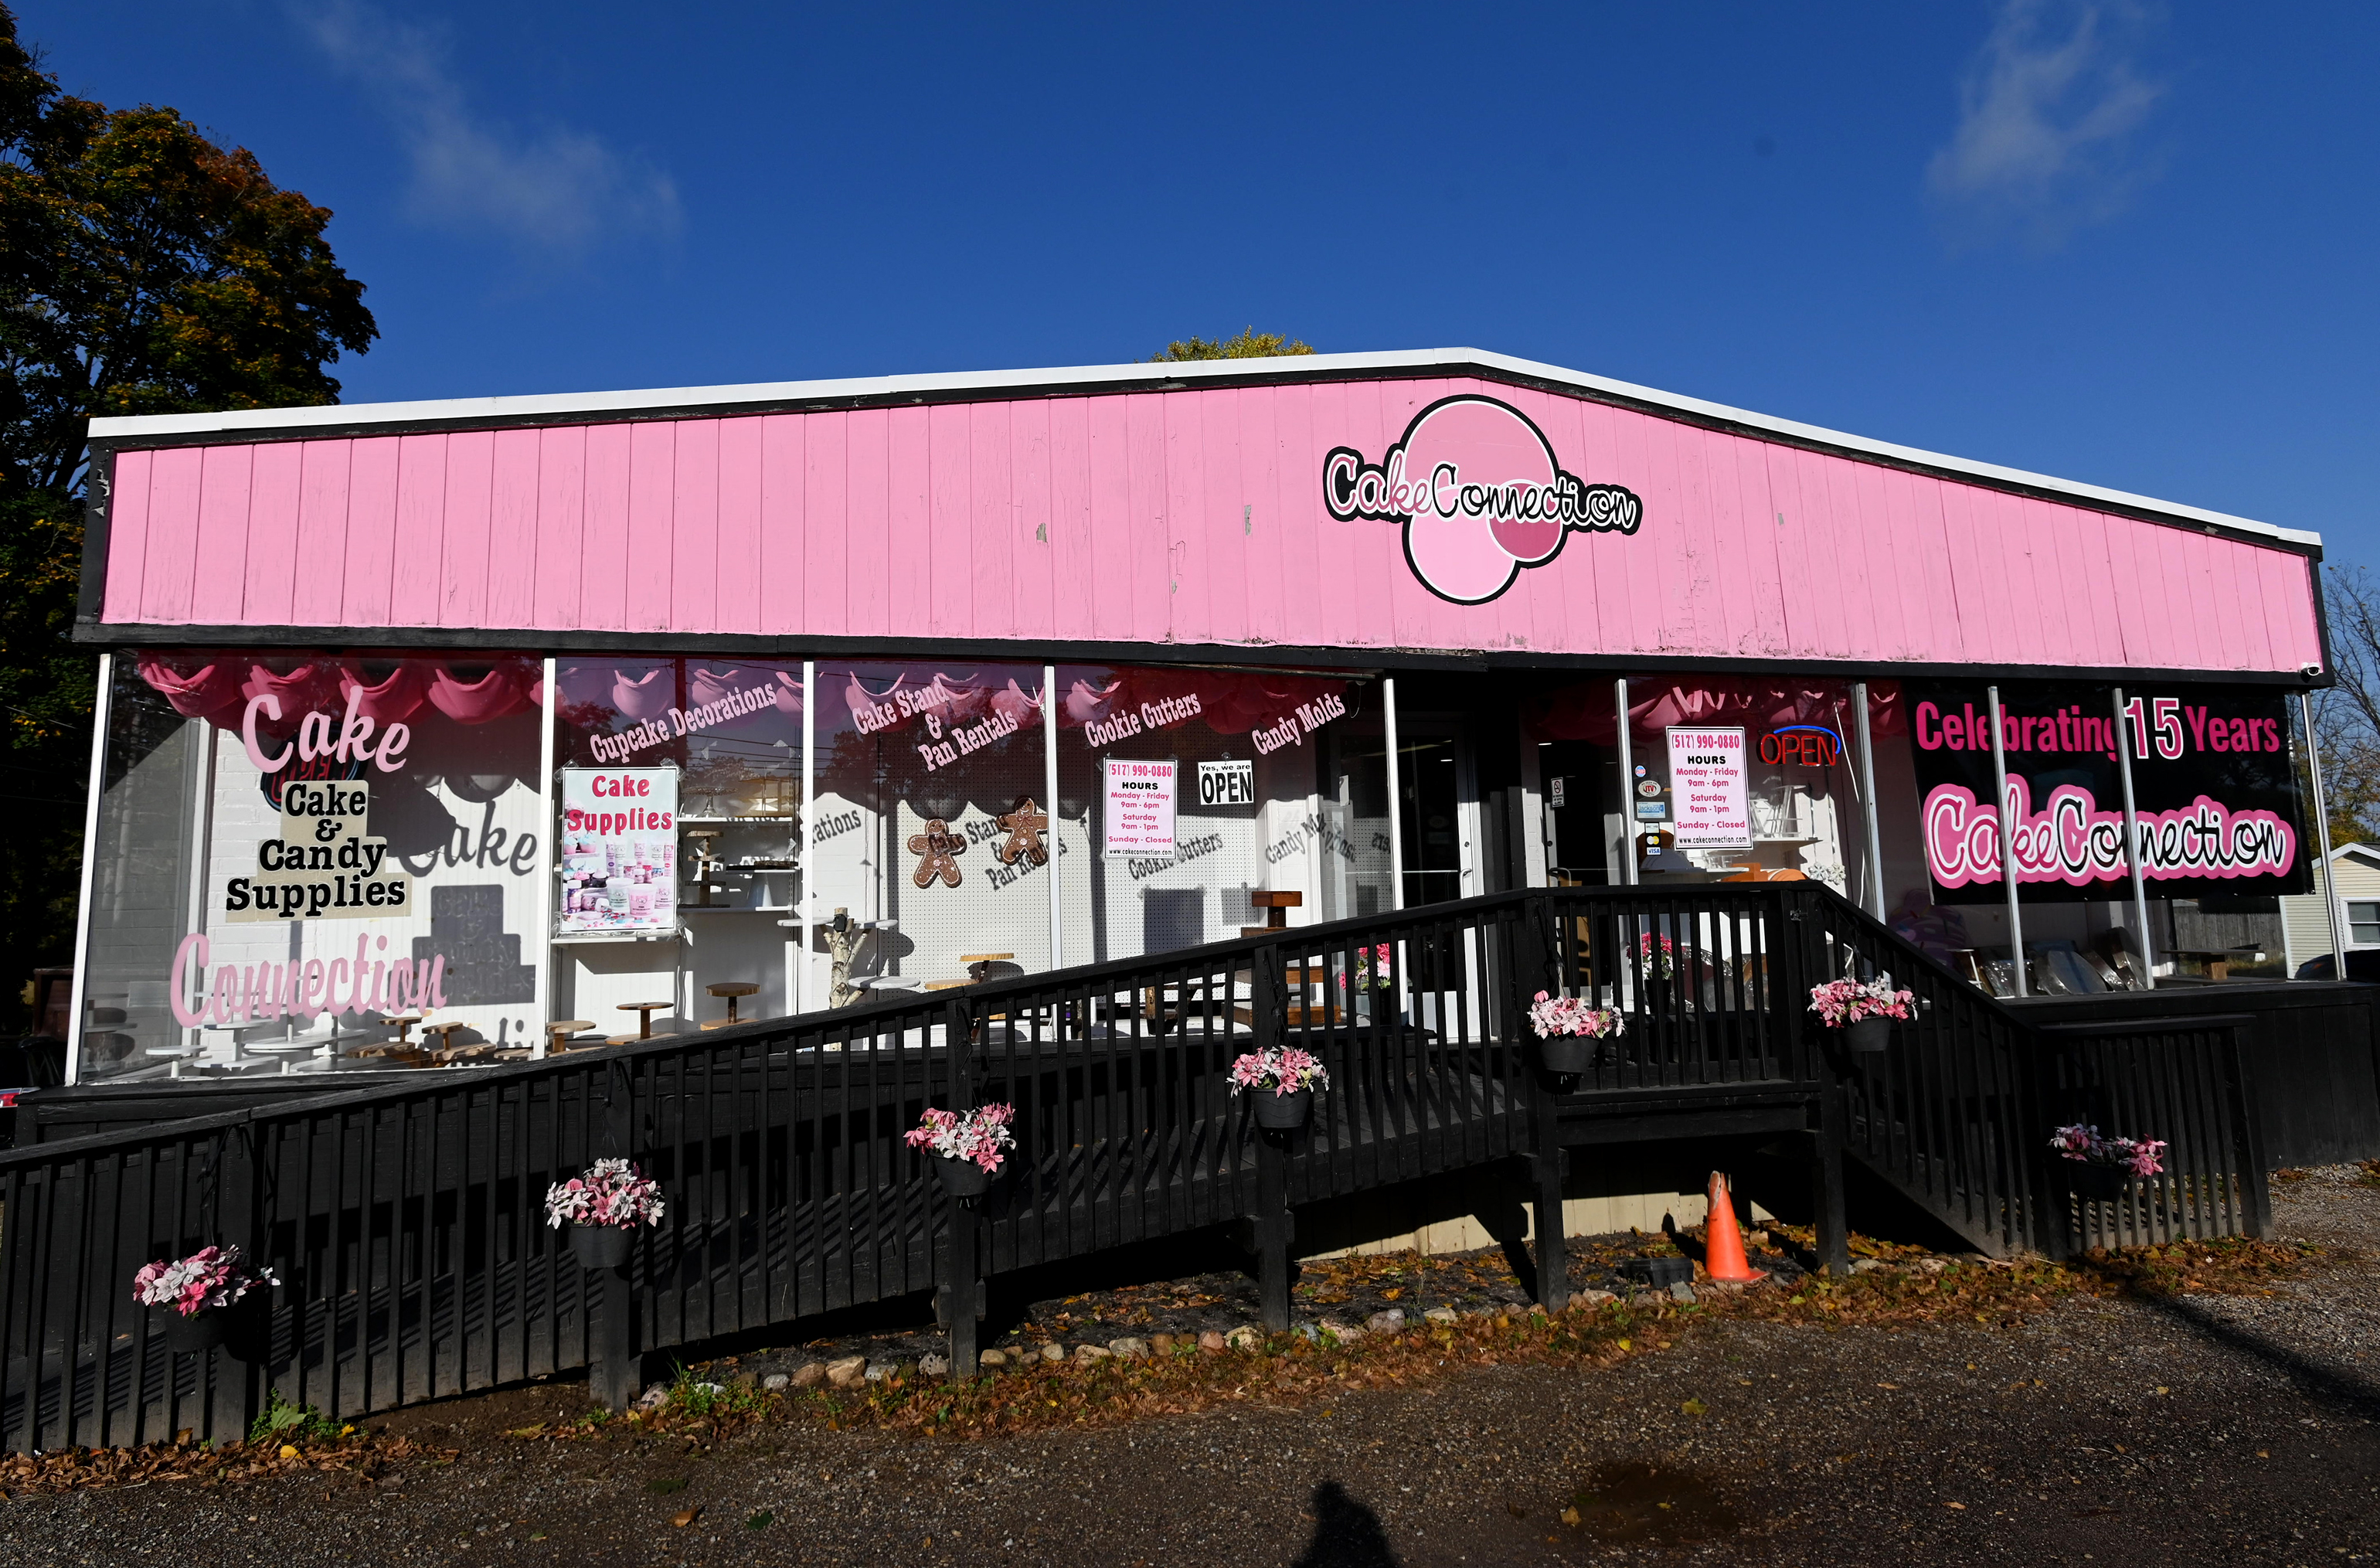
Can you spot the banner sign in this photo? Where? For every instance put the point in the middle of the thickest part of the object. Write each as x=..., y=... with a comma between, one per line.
x=2212, y=779
x=1140, y=808
x=619, y=850
x=1707, y=784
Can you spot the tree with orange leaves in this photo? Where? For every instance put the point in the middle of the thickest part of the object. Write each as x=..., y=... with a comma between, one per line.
x=143, y=270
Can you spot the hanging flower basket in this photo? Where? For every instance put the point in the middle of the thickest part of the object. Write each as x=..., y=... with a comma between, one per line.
x=193, y=1296
x=1571, y=1032
x=1283, y=1080
x=2100, y=1168
x=1860, y=1016
x=603, y=1207
x=970, y=1149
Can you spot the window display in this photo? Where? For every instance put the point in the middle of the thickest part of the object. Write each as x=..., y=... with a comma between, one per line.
x=313, y=854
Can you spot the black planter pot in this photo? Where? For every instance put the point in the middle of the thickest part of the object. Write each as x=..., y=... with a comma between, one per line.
x=1569, y=1053
x=1284, y=1113
x=963, y=1178
x=2100, y=1184
x=1867, y=1036
x=601, y=1246
x=195, y=1335
x=1658, y=1272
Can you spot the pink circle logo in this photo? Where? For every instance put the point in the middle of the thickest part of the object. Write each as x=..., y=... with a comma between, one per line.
x=1478, y=487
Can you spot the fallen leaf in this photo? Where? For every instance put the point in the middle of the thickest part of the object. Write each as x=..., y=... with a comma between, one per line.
x=1570, y=1517
x=1960, y=1506
x=1694, y=1407
x=685, y=1516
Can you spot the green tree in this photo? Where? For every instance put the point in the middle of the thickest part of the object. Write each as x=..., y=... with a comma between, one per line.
x=143, y=270
x=1247, y=344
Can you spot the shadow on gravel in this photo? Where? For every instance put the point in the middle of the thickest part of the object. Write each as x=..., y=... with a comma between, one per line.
x=2326, y=1385
x=1346, y=1534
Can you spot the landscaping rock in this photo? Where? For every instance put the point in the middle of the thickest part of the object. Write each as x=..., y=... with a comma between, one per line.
x=1387, y=1322
x=1933, y=1265
x=1209, y=1340
x=1681, y=1291
x=776, y=1382
x=848, y=1373
x=745, y=1380
x=1867, y=1264
x=1092, y=1353
x=1128, y=1348
x=992, y=1360
x=1592, y=1298
x=932, y=1365
x=1053, y=1353
x=1441, y=1315
x=1160, y=1345
x=1247, y=1336
x=1345, y=1334
x=809, y=1374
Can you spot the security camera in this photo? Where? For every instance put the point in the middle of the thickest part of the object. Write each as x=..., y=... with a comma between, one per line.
x=2311, y=671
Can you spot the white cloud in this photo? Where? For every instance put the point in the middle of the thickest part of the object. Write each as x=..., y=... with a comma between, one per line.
x=552, y=190
x=2047, y=119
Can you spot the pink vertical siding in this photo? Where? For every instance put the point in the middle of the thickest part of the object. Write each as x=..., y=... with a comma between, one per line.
x=319, y=570
x=1166, y=518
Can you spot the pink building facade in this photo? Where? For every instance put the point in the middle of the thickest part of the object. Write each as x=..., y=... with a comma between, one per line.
x=501, y=713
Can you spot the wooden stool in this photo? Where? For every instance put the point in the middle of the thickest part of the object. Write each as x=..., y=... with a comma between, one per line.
x=731, y=989
x=404, y=1022
x=558, y=1033
x=980, y=964
x=445, y=1048
x=644, y=1012
x=1275, y=906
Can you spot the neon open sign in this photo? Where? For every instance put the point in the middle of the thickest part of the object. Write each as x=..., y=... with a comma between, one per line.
x=1801, y=746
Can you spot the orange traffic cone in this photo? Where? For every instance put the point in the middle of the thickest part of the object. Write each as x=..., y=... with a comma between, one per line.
x=1723, y=1242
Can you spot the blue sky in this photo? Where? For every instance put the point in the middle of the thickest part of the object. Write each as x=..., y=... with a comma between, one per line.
x=2120, y=242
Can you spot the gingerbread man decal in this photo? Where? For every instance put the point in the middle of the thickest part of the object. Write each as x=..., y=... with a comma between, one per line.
x=1024, y=824
x=937, y=850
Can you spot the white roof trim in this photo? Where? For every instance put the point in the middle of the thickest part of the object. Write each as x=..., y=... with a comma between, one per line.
x=257, y=421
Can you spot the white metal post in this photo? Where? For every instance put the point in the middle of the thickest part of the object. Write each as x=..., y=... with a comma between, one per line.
x=2132, y=845
x=2322, y=835
x=1868, y=800
x=78, y=983
x=549, y=864
x=2007, y=840
x=1627, y=787
x=797, y=959
x=1396, y=805
x=1049, y=809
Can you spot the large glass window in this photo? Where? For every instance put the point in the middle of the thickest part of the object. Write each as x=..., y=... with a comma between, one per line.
x=294, y=848
x=1261, y=804
x=712, y=900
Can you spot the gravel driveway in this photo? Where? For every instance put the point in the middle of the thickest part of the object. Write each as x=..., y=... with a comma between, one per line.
x=2196, y=1430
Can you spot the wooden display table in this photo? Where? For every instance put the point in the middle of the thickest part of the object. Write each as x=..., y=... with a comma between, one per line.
x=644, y=1012
x=730, y=990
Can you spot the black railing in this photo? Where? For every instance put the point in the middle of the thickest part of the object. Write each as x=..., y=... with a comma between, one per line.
x=404, y=1219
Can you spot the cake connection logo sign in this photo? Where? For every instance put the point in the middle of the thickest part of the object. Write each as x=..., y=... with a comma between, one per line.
x=1480, y=495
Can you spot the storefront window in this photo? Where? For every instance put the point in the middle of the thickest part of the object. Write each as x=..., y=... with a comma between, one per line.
x=293, y=848
x=930, y=845
x=1242, y=759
